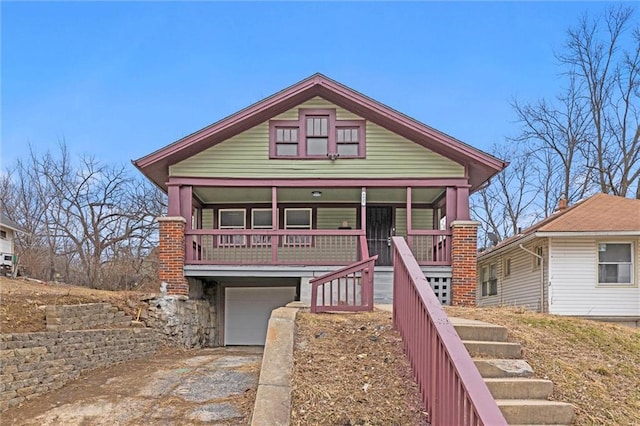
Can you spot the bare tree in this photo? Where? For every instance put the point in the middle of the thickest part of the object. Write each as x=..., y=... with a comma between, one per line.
x=505, y=205
x=94, y=220
x=557, y=136
x=603, y=56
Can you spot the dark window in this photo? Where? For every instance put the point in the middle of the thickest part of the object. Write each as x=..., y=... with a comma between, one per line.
x=615, y=263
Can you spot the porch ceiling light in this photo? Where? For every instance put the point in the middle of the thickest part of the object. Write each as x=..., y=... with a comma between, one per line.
x=316, y=193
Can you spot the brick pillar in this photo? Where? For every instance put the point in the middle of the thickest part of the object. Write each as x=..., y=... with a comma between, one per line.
x=171, y=254
x=464, y=235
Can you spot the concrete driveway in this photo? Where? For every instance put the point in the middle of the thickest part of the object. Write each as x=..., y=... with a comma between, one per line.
x=173, y=387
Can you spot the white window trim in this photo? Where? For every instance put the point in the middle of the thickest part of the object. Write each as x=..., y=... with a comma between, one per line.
x=634, y=266
x=537, y=262
x=487, y=284
x=232, y=240
x=506, y=267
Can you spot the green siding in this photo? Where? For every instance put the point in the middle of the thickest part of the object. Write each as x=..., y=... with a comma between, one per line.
x=207, y=218
x=247, y=155
x=420, y=219
x=332, y=218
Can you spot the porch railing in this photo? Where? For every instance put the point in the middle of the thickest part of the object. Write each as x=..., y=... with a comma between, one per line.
x=345, y=289
x=429, y=247
x=273, y=247
x=452, y=389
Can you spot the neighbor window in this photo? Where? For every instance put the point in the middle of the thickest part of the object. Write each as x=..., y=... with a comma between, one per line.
x=297, y=219
x=537, y=261
x=261, y=219
x=507, y=267
x=317, y=134
x=615, y=264
x=3, y=235
x=232, y=219
x=489, y=280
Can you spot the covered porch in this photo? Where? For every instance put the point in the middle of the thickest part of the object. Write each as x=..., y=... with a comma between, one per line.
x=316, y=222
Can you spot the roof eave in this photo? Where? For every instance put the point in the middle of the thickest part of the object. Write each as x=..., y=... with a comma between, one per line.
x=633, y=233
x=512, y=244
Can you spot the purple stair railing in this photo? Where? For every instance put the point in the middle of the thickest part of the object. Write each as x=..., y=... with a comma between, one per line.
x=452, y=389
x=345, y=289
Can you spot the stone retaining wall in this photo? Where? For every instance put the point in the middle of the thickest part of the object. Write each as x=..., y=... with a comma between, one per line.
x=79, y=338
x=34, y=363
x=85, y=316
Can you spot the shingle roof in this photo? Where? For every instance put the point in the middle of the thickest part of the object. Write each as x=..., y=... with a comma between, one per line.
x=598, y=213
x=9, y=223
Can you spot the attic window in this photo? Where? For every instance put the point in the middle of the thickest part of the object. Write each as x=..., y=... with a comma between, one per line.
x=317, y=134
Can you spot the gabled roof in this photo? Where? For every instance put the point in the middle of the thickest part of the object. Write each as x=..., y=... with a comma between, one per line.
x=481, y=166
x=598, y=214
x=4, y=221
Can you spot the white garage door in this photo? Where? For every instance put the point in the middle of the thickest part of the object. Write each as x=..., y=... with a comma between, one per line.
x=247, y=311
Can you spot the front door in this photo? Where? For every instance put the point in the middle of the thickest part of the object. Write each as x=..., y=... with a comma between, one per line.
x=379, y=232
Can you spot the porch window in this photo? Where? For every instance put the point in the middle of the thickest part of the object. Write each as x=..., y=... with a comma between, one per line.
x=297, y=219
x=232, y=219
x=261, y=219
x=615, y=264
x=489, y=280
x=317, y=134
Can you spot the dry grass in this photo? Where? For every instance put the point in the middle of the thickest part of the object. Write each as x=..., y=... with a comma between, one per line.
x=22, y=302
x=349, y=369
x=593, y=365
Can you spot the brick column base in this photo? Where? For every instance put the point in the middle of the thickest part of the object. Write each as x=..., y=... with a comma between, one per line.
x=464, y=251
x=171, y=255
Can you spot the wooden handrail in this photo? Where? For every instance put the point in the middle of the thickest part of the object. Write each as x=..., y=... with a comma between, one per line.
x=344, y=270
x=452, y=389
x=342, y=277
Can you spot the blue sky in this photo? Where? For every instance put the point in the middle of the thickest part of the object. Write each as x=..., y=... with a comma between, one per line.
x=119, y=80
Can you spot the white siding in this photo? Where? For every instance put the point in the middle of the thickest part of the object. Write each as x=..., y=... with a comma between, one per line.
x=6, y=244
x=573, y=281
x=522, y=286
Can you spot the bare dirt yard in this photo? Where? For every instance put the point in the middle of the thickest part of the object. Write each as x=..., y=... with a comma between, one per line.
x=21, y=302
x=349, y=369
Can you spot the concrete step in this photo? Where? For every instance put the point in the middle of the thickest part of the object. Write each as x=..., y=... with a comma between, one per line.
x=536, y=411
x=519, y=388
x=493, y=349
x=481, y=331
x=497, y=368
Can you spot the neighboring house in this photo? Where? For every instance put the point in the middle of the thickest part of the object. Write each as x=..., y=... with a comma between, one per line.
x=588, y=264
x=8, y=230
x=312, y=178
